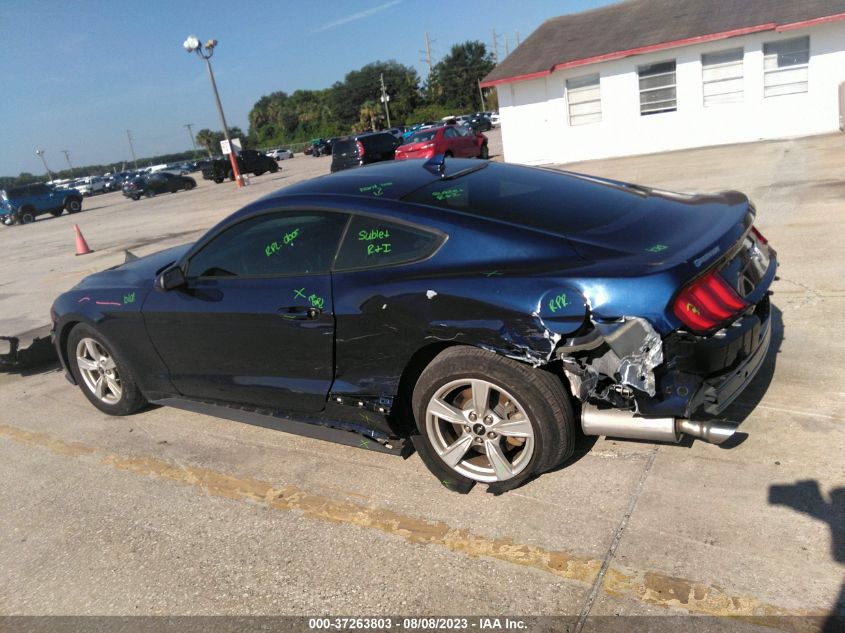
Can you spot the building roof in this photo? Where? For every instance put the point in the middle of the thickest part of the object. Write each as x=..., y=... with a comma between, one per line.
x=642, y=26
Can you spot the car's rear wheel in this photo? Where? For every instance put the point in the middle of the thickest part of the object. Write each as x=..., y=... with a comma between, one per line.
x=274, y=168
x=73, y=205
x=488, y=419
x=259, y=173
x=136, y=197
x=190, y=184
x=218, y=180
x=102, y=375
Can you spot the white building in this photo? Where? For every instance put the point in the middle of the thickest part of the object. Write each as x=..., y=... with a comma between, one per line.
x=656, y=75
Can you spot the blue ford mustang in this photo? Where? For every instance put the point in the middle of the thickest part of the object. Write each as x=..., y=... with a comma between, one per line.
x=465, y=309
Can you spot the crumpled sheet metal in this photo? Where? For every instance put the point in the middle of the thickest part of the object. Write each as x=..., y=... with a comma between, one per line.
x=635, y=350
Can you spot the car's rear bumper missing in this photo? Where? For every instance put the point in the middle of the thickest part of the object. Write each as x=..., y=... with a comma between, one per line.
x=717, y=393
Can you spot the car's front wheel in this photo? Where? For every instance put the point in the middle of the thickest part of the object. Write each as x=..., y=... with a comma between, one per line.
x=73, y=205
x=104, y=377
x=484, y=154
x=489, y=419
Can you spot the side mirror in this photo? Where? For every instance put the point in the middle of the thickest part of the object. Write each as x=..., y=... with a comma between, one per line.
x=170, y=279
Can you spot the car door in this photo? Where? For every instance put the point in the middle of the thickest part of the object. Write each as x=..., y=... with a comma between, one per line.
x=466, y=142
x=254, y=323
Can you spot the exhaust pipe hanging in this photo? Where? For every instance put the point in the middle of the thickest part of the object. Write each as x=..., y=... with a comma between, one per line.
x=618, y=423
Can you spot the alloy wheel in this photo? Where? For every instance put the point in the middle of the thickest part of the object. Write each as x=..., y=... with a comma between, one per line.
x=98, y=370
x=480, y=430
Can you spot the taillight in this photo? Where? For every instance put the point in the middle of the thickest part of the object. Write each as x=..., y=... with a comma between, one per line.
x=759, y=235
x=707, y=302
x=360, y=147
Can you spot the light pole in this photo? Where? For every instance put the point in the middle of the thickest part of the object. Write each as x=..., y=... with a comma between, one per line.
x=385, y=98
x=40, y=154
x=192, y=44
x=67, y=158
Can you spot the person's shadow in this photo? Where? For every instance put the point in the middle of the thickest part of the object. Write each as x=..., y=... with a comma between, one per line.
x=805, y=496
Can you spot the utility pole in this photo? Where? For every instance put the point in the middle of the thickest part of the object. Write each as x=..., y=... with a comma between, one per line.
x=481, y=94
x=132, y=149
x=507, y=46
x=495, y=48
x=384, y=99
x=191, y=134
x=67, y=158
x=517, y=39
x=428, y=53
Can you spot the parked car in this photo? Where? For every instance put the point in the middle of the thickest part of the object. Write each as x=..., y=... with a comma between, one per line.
x=494, y=119
x=480, y=123
x=449, y=140
x=470, y=310
x=21, y=205
x=419, y=126
x=159, y=182
x=281, y=153
x=363, y=149
x=250, y=161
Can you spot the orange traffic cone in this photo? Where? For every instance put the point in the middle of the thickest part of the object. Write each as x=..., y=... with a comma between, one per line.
x=81, y=244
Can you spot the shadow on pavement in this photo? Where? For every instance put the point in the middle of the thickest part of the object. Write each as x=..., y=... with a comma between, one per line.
x=806, y=497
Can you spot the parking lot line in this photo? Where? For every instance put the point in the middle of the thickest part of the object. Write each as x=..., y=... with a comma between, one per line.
x=648, y=587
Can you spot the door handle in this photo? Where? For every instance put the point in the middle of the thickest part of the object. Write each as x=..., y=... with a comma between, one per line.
x=299, y=312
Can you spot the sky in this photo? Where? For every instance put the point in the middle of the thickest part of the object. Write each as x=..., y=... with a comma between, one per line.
x=77, y=75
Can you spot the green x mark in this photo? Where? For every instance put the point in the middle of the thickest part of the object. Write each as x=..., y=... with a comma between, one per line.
x=493, y=273
x=299, y=293
x=446, y=483
x=364, y=444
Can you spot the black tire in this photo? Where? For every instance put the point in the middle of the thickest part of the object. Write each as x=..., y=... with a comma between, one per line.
x=56, y=212
x=484, y=154
x=230, y=175
x=131, y=399
x=259, y=173
x=539, y=394
x=136, y=197
x=218, y=180
x=190, y=185
x=150, y=193
x=448, y=154
x=274, y=168
x=27, y=216
x=73, y=205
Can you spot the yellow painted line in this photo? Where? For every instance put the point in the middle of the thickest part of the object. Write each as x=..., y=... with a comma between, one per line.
x=649, y=587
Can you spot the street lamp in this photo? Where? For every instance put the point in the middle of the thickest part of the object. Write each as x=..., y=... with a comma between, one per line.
x=192, y=44
x=40, y=154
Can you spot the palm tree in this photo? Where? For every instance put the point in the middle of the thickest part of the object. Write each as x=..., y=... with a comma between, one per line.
x=205, y=137
x=370, y=111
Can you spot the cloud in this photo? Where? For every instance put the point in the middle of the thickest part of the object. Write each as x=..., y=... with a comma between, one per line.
x=357, y=16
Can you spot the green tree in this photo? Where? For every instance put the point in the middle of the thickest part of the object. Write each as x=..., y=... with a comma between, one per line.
x=454, y=79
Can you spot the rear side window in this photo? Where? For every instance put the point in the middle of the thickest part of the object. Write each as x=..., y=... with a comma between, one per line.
x=371, y=242
x=539, y=198
x=292, y=243
x=422, y=137
x=344, y=146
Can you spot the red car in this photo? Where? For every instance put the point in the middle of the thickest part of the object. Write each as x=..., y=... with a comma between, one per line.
x=449, y=140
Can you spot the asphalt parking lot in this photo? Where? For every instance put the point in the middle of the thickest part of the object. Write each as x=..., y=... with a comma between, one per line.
x=173, y=513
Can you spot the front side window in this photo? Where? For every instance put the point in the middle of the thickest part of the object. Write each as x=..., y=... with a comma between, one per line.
x=583, y=99
x=785, y=66
x=722, y=77
x=292, y=243
x=372, y=242
x=657, y=88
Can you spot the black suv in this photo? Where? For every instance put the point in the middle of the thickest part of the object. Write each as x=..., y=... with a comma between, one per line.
x=21, y=205
x=159, y=182
x=250, y=161
x=372, y=147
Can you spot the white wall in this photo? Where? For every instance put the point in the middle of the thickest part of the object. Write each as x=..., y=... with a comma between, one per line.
x=535, y=128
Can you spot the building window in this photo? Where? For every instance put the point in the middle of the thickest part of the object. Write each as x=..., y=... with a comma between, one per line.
x=785, y=66
x=584, y=98
x=657, y=88
x=721, y=74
